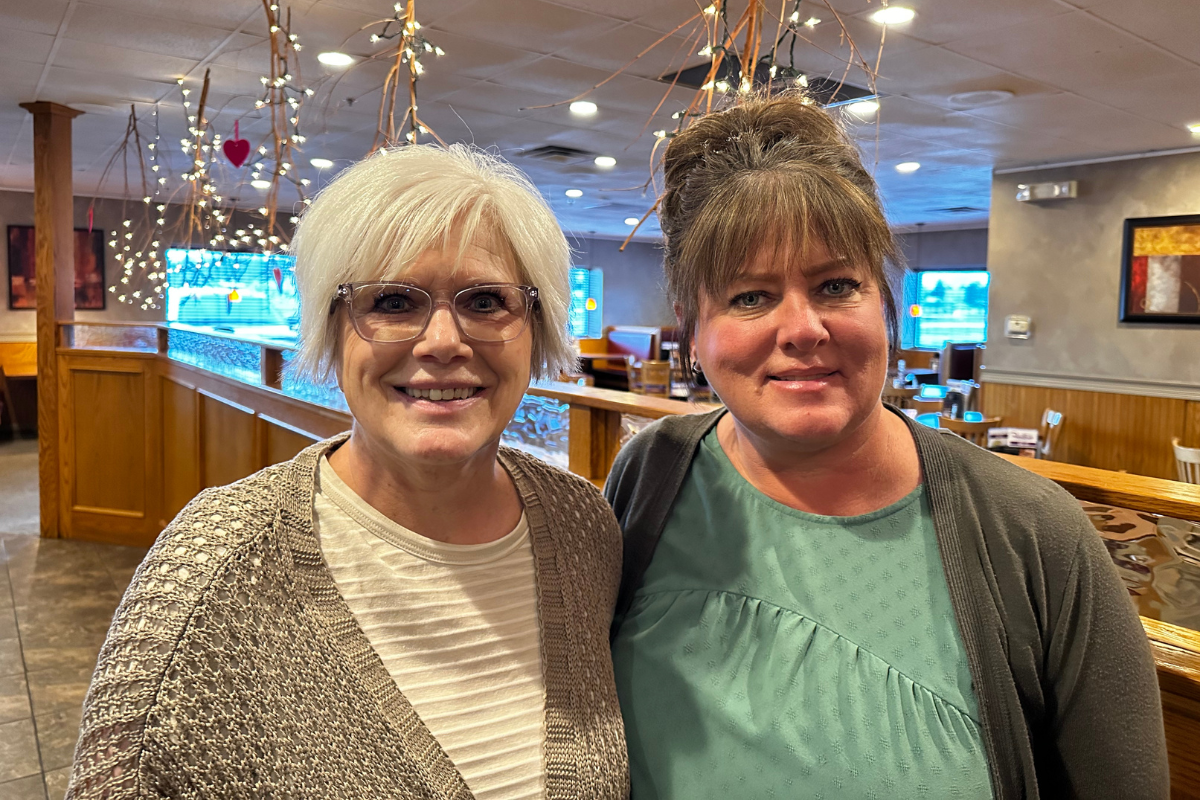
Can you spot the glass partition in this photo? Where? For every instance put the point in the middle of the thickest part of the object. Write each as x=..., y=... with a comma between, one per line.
x=229, y=357
x=541, y=427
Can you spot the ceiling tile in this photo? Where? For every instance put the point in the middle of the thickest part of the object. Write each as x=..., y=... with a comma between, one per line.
x=615, y=51
x=623, y=10
x=940, y=21
x=90, y=86
x=35, y=16
x=18, y=45
x=532, y=25
x=1043, y=41
x=1156, y=98
x=477, y=58
x=93, y=56
x=130, y=30
x=1101, y=69
x=224, y=14
x=929, y=66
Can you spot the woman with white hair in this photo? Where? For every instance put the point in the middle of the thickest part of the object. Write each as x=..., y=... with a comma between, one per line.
x=407, y=610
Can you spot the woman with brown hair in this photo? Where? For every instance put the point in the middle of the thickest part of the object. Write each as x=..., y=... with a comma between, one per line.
x=821, y=599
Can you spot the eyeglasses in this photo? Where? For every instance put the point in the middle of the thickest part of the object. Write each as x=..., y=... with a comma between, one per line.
x=389, y=311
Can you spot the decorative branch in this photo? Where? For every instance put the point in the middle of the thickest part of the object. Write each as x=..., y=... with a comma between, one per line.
x=410, y=45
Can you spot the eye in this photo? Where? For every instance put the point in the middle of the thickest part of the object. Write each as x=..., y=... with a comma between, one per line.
x=840, y=287
x=485, y=302
x=393, y=303
x=748, y=300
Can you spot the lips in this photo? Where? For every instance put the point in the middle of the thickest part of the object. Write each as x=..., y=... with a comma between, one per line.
x=803, y=375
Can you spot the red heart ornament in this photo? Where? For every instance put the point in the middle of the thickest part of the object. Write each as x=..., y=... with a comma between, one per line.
x=235, y=149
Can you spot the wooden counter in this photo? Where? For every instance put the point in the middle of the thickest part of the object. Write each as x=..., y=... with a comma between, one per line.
x=142, y=433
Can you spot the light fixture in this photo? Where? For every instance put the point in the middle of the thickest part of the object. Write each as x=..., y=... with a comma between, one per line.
x=632, y=220
x=1194, y=127
x=812, y=22
x=908, y=166
x=583, y=107
x=574, y=193
x=863, y=108
x=335, y=59
x=605, y=161
x=261, y=184
x=893, y=15
x=321, y=163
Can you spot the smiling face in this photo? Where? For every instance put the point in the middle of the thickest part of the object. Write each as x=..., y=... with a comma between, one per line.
x=391, y=387
x=796, y=348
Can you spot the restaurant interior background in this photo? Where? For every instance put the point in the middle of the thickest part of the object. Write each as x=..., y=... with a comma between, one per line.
x=1011, y=140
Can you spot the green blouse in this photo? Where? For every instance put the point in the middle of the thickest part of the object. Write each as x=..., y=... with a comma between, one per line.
x=776, y=653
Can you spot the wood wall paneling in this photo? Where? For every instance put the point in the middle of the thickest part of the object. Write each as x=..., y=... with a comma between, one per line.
x=281, y=442
x=107, y=444
x=1102, y=429
x=180, y=446
x=110, y=463
x=229, y=442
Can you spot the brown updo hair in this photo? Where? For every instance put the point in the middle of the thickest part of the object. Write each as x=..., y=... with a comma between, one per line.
x=767, y=173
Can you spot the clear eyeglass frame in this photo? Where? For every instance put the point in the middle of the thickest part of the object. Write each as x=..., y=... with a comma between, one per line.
x=349, y=292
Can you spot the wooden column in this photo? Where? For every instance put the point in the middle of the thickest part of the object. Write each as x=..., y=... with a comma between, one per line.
x=594, y=441
x=53, y=221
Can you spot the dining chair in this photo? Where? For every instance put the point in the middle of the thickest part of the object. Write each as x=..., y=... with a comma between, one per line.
x=925, y=406
x=7, y=403
x=974, y=432
x=901, y=397
x=1187, y=462
x=1048, y=431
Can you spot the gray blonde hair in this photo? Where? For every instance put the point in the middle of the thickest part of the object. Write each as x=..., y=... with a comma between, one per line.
x=374, y=220
x=767, y=174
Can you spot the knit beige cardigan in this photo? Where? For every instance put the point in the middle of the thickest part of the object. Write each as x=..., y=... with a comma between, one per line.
x=234, y=669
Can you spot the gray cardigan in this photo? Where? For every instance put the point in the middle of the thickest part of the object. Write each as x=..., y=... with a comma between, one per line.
x=1067, y=689
x=234, y=668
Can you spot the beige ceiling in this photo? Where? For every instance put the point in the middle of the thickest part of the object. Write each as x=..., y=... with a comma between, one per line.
x=1090, y=78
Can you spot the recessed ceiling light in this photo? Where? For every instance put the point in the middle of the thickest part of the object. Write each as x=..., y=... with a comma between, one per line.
x=605, y=161
x=908, y=166
x=334, y=59
x=583, y=107
x=893, y=15
x=983, y=97
x=574, y=193
x=863, y=108
x=321, y=163
x=261, y=184
x=632, y=220
x=1194, y=127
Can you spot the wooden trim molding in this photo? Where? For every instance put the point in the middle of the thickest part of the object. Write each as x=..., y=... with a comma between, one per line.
x=1177, y=390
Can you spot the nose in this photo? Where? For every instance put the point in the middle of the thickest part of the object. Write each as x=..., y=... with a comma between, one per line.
x=800, y=324
x=441, y=340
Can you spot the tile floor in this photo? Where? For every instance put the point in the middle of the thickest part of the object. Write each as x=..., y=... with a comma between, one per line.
x=57, y=597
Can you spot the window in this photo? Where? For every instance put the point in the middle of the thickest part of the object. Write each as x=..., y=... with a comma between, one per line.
x=587, y=303
x=213, y=287
x=945, y=306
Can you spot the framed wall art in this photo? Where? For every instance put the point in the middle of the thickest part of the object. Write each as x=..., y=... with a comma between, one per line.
x=1160, y=270
x=22, y=274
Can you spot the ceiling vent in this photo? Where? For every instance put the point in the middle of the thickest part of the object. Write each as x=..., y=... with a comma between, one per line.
x=825, y=91
x=961, y=210
x=557, y=154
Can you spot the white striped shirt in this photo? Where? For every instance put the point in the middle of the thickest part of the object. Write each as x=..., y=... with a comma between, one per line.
x=457, y=628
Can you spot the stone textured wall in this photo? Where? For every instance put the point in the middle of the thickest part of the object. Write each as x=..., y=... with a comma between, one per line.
x=1059, y=262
